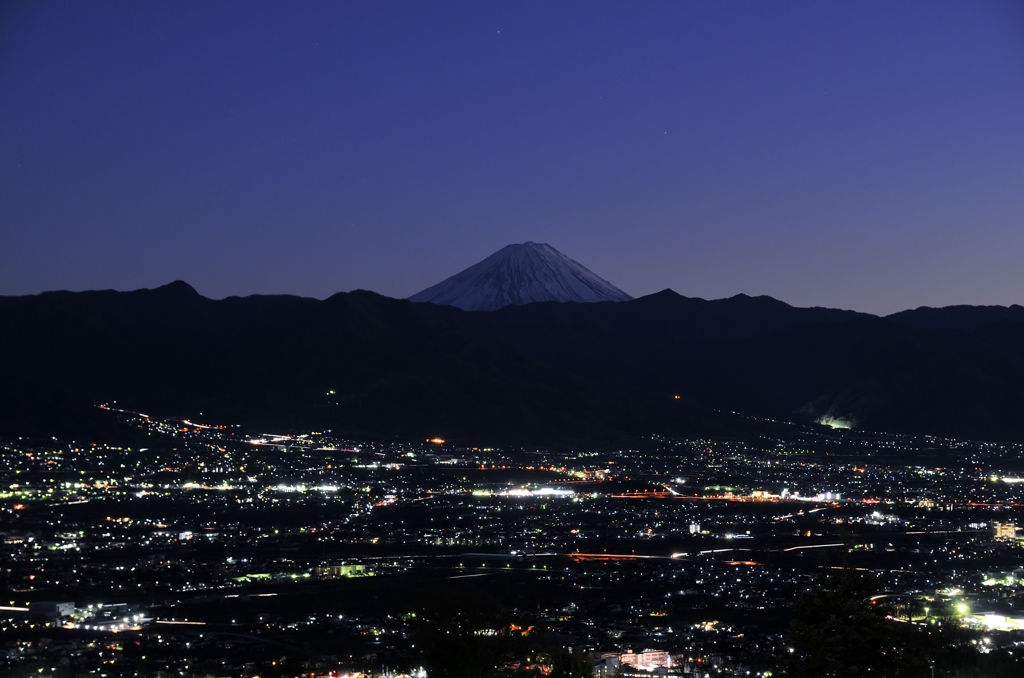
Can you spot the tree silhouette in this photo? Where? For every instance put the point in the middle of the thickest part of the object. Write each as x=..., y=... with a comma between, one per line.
x=572, y=664
x=465, y=633
x=838, y=633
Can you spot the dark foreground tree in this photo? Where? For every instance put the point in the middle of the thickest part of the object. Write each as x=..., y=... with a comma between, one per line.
x=465, y=633
x=574, y=664
x=838, y=633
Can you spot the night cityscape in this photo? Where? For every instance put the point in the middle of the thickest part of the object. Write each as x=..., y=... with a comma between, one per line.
x=221, y=551
x=532, y=339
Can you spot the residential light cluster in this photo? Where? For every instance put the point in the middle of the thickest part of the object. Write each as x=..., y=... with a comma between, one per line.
x=669, y=556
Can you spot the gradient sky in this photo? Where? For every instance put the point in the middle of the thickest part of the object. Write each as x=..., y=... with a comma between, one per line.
x=864, y=155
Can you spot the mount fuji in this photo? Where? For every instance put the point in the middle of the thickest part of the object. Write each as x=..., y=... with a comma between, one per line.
x=521, y=274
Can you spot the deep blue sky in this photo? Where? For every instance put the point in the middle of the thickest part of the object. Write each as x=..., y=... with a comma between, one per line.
x=864, y=155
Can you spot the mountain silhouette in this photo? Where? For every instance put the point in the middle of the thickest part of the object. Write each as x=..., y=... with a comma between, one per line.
x=368, y=365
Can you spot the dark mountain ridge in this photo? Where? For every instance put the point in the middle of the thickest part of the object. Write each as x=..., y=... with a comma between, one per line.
x=960, y=318
x=374, y=366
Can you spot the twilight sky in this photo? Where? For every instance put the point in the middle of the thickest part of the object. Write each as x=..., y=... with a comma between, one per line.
x=863, y=155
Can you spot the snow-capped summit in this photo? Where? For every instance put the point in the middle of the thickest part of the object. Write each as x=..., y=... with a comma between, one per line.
x=521, y=274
